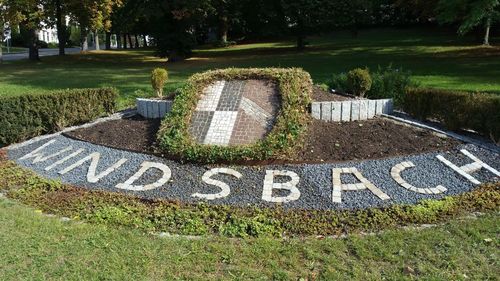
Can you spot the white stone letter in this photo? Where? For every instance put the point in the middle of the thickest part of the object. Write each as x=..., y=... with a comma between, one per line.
x=466, y=170
x=225, y=190
x=146, y=165
x=269, y=185
x=338, y=186
x=396, y=175
x=39, y=156
x=94, y=160
x=59, y=162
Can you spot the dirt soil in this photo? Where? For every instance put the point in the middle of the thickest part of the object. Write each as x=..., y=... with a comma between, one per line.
x=325, y=141
x=370, y=139
x=322, y=95
x=135, y=134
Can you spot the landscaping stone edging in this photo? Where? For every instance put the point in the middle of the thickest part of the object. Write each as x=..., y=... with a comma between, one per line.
x=350, y=110
x=151, y=108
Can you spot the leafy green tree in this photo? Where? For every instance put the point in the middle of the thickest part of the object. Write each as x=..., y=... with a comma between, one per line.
x=56, y=11
x=173, y=25
x=92, y=15
x=305, y=16
x=226, y=12
x=30, y=15
x=470, y=14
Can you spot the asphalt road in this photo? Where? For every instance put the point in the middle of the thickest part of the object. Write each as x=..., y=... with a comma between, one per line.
x=42, y=52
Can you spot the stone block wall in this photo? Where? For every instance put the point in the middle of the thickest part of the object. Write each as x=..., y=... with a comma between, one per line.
x=149, y=108
x=350, y=110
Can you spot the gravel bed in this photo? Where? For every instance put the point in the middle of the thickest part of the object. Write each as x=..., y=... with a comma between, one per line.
x=315, y=179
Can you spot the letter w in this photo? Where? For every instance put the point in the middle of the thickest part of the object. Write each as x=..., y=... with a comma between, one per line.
x=91, y=172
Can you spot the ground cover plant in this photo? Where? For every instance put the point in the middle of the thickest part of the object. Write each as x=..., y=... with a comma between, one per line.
x=294, y=86
x=35, y=246
x=436, y=59
x=26, y=116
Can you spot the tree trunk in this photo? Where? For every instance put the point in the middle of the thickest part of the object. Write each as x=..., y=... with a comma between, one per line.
x=301, y=36
x=136, y=41
x=145, y=41
x=118, y=40
x=130, y=41
x=61, y=28
x=96, y=41
x=108, y=40
x=486, y=41
x=224, y=28
x=1, y=53
x=124, y=41
x=84, y=40
x=33, y=47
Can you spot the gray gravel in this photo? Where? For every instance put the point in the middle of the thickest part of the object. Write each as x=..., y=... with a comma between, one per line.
x=315, y=179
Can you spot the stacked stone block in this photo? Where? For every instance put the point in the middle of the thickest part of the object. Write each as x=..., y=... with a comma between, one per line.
x=351, y=110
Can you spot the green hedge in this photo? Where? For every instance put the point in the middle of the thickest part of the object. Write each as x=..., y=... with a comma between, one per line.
x=456, y=110
x=27, y=116
x=295, y=87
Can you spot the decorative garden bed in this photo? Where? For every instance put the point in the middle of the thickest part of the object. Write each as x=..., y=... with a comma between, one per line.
x=268, y=152
x=325, y=141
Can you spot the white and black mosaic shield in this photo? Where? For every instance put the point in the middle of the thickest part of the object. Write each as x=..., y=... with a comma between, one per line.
x=235, y=112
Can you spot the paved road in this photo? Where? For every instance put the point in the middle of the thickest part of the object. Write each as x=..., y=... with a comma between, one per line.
x=43, y=53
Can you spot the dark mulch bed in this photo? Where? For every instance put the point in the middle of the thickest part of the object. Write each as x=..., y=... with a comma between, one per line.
x=319, y=94
x=370, y=139
x=325, y=141
x=134, y=134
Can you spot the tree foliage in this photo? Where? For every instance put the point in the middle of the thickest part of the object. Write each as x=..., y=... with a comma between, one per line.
x=469, y=14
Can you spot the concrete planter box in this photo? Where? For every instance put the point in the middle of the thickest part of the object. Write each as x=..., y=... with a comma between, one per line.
x=350, y=110
x=153, y=108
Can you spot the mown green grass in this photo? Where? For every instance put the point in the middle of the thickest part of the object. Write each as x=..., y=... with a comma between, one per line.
x=36, y=247
x=436, y=59
x=13, y=50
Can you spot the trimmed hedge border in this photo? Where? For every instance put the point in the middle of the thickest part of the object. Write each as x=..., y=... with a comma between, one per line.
x=26, y=116
x=456, y=110
x=295, y=87
x=117, y=209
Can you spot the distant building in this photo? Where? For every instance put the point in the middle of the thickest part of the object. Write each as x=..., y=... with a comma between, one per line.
x=48, y=35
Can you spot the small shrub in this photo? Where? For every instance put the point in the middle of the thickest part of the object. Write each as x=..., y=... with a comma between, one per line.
x=359, y=81
x=388, y=82
x=26, y=116
x=42, y=44
x=456, y=110
x=158, y=78
x=52, y=45
x=339, y=83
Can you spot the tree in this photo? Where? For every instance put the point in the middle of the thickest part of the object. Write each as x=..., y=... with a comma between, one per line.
x=29, y=14
x=470, y=14
x=173, y=25
x=92, y=15
x=56, y=11
x=226, y=12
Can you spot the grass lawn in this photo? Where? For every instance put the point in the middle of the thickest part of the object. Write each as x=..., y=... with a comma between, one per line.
x=36, y=247
x=14, y=50
x=436, y=59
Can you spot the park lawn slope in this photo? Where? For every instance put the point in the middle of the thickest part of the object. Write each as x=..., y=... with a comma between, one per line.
x=35, y=246
x=436, y=59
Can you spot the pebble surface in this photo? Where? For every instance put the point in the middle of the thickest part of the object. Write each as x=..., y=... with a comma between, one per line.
x=315, y=183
